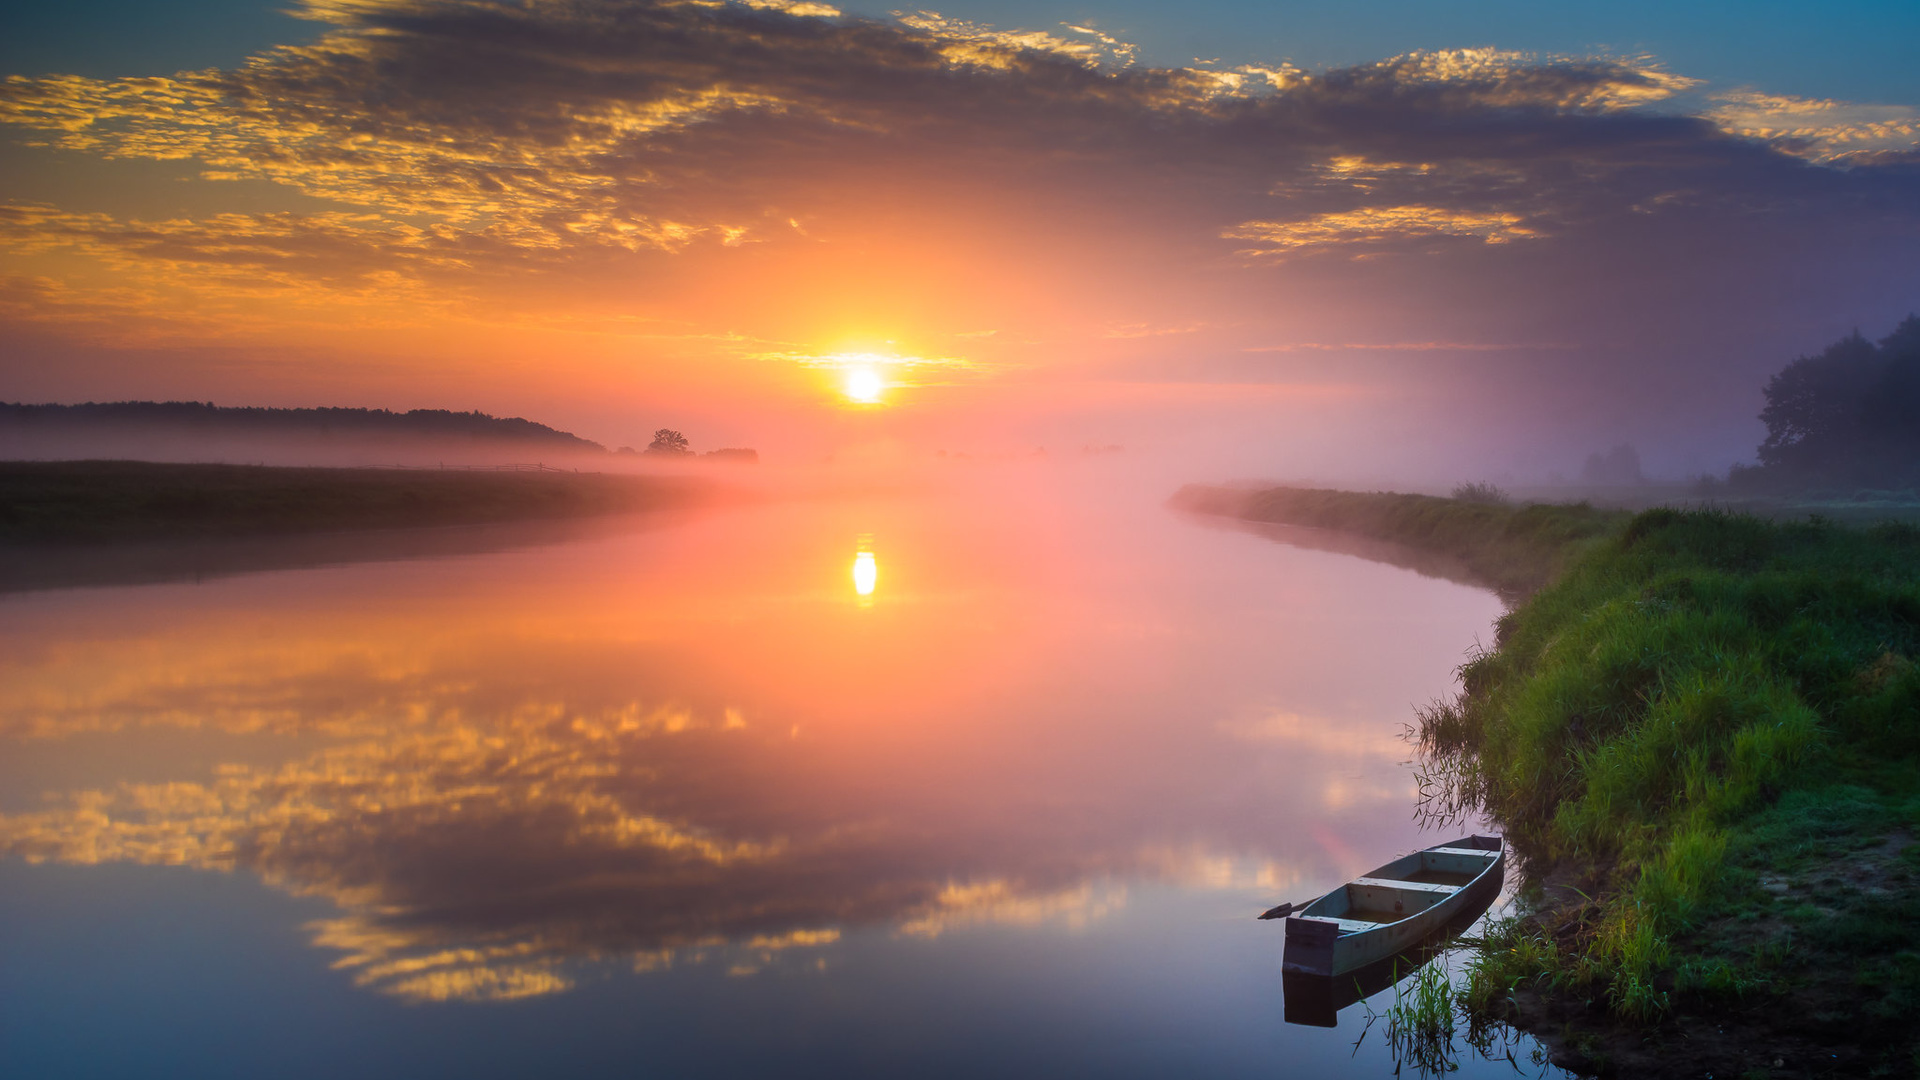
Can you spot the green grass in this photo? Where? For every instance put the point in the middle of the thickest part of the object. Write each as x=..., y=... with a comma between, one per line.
x=1820, y=888
x=1700, y=703
x=82, y=501
x=1709, y=723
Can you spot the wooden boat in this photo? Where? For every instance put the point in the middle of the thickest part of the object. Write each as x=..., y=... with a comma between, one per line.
x=1393, y=908
x=1316, y=1000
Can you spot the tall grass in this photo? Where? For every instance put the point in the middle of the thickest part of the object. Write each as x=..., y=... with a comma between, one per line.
x=1421, y=1020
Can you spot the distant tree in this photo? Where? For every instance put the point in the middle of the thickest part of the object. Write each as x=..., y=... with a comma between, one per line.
x=669, y=442
x=205, y=418
x=1708, y=485
x=1617, y=467
x=1849, y=416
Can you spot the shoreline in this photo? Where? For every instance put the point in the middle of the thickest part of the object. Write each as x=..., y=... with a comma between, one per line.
x=1514, y=550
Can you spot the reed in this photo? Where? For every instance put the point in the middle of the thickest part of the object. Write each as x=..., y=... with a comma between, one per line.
x=1420, y=1022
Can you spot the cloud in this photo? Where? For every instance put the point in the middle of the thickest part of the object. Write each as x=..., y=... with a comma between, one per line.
x=1411, y=346
x=1454, y=79
x=970, y=44
x=899, y=370
x=1374, y=225
x=1820, y=129
x=470, y=135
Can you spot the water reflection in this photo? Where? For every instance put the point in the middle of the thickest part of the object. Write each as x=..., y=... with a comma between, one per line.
x=674, y=748
x=1316, y=1000
x=25, y=567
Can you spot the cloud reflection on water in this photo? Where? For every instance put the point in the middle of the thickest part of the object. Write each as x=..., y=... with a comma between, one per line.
x=509, y=767
x=469, y=858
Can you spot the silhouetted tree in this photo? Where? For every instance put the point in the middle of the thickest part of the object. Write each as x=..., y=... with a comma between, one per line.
x=207, y=418
x=1848, y=416
x=1814, y=401
x=670, y=442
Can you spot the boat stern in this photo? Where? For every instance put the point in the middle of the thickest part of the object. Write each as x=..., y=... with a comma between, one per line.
x=1310, y=945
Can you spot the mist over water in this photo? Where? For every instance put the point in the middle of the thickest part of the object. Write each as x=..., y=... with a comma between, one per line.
x=989, y=770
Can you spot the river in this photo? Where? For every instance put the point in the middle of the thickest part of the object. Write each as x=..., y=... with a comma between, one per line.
x=983, y=779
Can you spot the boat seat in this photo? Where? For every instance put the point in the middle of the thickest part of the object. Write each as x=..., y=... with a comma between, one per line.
x=1400, y=897
x=1347, y=926
x=1479, y=853
x=1405, y=886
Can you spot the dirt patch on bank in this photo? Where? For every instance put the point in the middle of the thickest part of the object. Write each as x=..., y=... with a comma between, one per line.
x=1770, y=990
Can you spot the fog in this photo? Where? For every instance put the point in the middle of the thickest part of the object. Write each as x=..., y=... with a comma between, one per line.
x=1146, y=448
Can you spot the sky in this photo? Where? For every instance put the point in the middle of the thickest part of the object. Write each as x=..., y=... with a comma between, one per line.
x=1387, y=239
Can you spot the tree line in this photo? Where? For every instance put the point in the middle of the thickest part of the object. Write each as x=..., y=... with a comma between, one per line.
x=207, y=418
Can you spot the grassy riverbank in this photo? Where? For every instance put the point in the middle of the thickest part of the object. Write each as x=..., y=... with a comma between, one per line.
x=1704, y=736
x=1516, y=549
x=94, y=501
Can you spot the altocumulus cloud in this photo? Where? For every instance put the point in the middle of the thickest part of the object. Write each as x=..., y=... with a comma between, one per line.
x=470, y=136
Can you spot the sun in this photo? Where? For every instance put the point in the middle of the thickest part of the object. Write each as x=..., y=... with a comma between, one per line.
x=865, y=385
x=866, y=573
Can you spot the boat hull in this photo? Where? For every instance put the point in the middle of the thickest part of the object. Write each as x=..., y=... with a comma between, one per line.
x=1316, y=1000
x=1320, y=942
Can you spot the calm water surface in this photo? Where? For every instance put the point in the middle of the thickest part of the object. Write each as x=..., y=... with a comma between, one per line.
x=973, y=783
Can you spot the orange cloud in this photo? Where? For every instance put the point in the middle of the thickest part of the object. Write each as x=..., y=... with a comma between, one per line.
x=1818, y=128
x=1375, y=225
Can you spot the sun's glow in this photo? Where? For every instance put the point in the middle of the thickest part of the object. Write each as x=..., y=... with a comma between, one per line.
x=865, y=385
x=866, y=573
